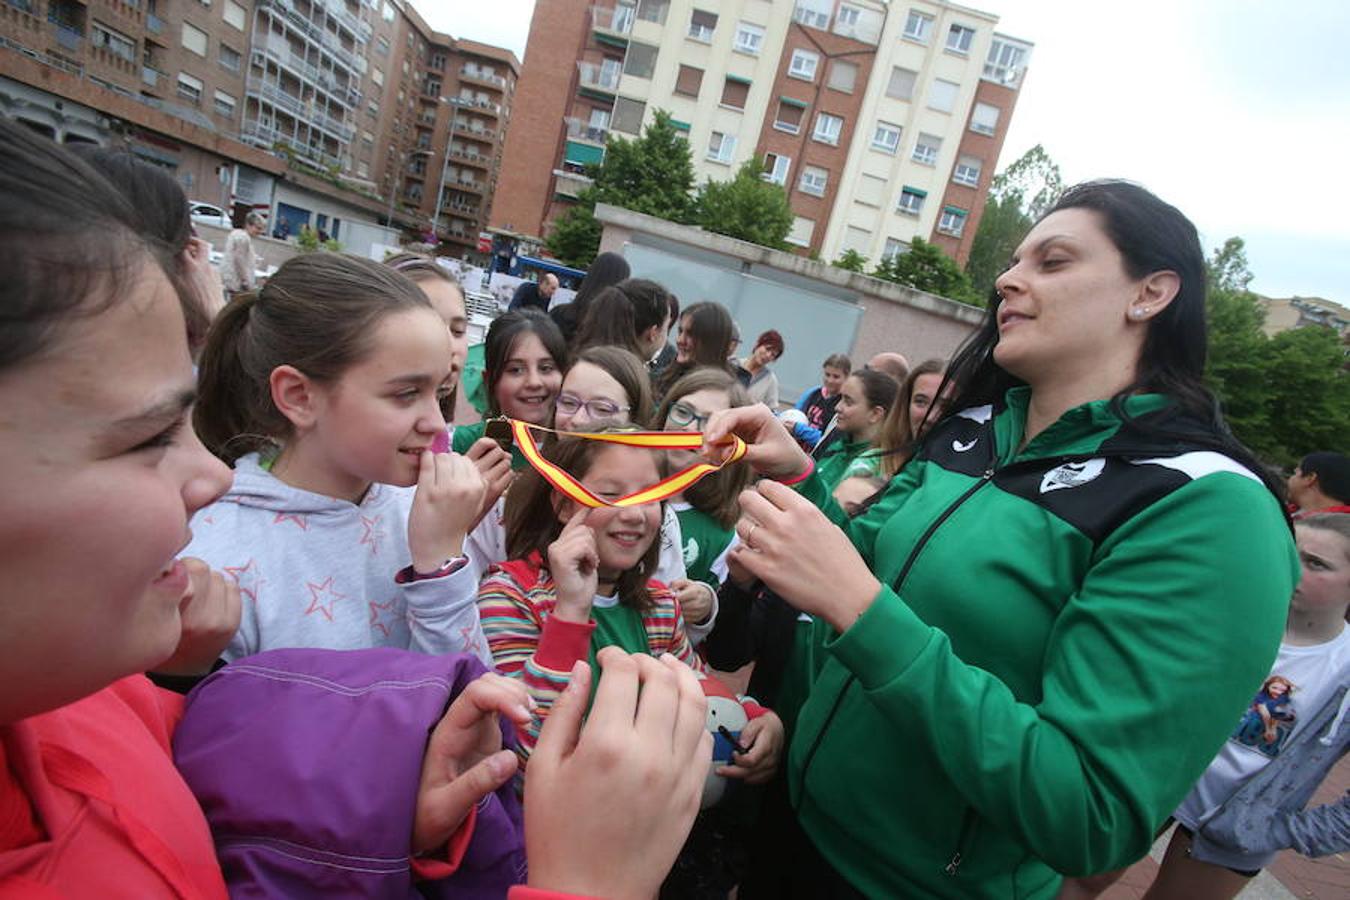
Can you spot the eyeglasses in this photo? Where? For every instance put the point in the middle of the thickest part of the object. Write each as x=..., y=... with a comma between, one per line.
x=599, y=408
x=683, y=415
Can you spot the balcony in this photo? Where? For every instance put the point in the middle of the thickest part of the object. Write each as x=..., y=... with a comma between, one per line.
x=464, y=154
x=581, y=130
x=150, y=76
x=569, y=184
x=154, y=24
x=338, y=10
x=28, y=6
x=68, y=37
x=282, y=55
x=465, y=184
x=478, y=104
x=299, y=108
x=473, y=73
x=604, y=79
x=612, y=24
x=473, y=128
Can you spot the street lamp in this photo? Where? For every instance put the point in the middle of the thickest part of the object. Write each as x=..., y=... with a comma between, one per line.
x=454, y=104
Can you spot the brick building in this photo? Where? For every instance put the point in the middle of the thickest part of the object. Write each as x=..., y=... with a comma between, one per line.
x=883, y=121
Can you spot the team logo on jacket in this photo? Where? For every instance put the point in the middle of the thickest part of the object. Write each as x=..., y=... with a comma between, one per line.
x=1071, y=475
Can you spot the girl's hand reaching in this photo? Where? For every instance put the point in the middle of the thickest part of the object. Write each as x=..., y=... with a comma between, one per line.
x=575, y=565
x=449, y=496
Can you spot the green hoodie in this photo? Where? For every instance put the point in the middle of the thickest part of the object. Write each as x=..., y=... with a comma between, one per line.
x=1063, y=638
x=847, y=459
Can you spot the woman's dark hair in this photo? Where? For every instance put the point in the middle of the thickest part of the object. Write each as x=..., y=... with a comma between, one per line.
x=711, y=329
x=896, y=437
x=1151, y=236
x=531, y=517
x=773, y=340
x=70, y=243
x=718, y=494
x=606, y=270
x=651, y=302
x=162, y=209
x=625, y=368
x=1332, y=471
x=838, y=361
x=502, y=335
x=318, y=313
x=879, y=389
x=608, y=322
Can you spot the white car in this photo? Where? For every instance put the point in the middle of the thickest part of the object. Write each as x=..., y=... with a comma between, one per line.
x=208, y=214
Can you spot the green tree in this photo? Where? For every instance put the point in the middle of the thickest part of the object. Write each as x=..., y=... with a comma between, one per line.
x=1018, y=196
x=1310, y=393
x=652, y=174
x=746, y=207
x=925, y=267
x=851, y=260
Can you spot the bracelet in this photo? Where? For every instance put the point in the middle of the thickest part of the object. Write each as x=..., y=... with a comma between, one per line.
x=798, y=479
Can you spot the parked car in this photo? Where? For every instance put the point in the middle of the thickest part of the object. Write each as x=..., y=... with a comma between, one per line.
x=208, y=214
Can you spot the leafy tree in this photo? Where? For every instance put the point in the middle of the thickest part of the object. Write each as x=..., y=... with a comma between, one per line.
x=652, y=174
x=925, y=267
x=746, y=207
x=1228, y=269
x=852, y=261
x=1310, y=393
x=1018, y=196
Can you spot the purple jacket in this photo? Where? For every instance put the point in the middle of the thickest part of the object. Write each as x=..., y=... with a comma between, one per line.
x=307, y=762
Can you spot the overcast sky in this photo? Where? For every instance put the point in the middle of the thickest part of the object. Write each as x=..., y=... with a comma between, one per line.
x=1233, y=110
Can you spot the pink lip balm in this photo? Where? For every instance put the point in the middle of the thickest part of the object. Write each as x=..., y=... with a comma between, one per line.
x=441, y=443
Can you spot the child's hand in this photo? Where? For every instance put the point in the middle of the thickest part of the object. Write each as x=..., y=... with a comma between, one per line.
x=738, y=574
x=575, y=565
x=645, y=738
x=695, y=599
x=449, y=495
x=494, y=464
x=210, y=611
x=763, y=739
x=465, y=761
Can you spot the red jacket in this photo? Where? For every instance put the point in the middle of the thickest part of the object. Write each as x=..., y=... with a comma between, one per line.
x=90, y=802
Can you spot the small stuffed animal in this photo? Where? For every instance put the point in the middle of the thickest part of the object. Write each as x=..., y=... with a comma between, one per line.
x=726, y=719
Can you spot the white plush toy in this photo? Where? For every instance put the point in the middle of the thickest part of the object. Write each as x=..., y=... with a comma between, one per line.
x=726, y=719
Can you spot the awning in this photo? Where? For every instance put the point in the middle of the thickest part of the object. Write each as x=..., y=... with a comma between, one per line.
x=793, y=101
x=583, y=154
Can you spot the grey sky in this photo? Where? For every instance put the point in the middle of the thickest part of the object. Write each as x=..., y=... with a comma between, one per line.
x=1234, y=110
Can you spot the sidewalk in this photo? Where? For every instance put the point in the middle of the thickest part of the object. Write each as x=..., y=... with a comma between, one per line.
x=1290, y=876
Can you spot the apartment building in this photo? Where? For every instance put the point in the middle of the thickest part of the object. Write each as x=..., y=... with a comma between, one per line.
x=883, y=121
x=314, y=110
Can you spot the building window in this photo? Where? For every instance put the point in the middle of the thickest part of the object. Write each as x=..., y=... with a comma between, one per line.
x=959, y=38
x=628, y=115
x=953, y=221
x=843, y=76
x=919, y=27
x=194, y=39
x=894, y=247
x=803, y=65
x=848, y=16
x=701, y=25
x=377, y=76
x=373, y=109
x=721, y=147
x=813, y=181
x=802, y=228
x=942, y=95
x=688, y=81
x=911, y=201
x=734, y=93
x=1005, y=61
x=871, y=190
x=901, y=85
x=813, y=13
x=599, y=121
x=749, y=38
x=640, y=60
x=828, y=128
x=387, y=11
x=927, y=148
x=967, y=171
x=789, y=117
x=229, y=58
x=382, y=45
x=114, y=42
x=984, y=118
x=224, y=104
x=859, y=240
x=234, y=15
x=776, y=168
x=886, y=138
x=189, y=88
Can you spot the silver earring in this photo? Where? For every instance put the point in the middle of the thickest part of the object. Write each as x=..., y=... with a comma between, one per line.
x=1139, y=312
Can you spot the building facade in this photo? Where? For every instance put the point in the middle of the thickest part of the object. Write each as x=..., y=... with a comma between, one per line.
x=356, y=100
x=883, y=121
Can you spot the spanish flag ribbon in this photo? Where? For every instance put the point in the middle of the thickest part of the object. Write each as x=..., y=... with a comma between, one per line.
x=651, y=440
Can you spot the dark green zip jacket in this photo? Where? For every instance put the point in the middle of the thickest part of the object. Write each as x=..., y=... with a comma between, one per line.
x=1062, y=640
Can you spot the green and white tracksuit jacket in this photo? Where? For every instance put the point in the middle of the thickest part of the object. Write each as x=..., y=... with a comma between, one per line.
x=1062, y=640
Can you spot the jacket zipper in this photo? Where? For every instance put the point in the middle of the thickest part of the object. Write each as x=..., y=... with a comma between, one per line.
x=962, y=840
x=899, y=580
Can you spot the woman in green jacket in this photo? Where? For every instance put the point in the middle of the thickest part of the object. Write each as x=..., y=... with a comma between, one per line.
x=1033, y=642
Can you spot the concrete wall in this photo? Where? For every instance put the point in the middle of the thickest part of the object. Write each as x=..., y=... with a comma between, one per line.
x=892, y=317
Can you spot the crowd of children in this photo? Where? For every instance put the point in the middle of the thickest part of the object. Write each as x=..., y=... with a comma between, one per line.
x=995, y=616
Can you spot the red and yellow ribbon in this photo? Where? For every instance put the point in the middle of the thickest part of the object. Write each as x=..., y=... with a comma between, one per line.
x=651, y=440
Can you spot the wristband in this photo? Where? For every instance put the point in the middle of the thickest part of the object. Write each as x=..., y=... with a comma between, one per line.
x=798, y=479
x=449, y=567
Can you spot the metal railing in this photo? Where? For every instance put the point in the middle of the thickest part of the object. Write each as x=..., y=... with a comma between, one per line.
x=581, y=130
x=613, y=19
x=593, y=76
x=467, y=71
